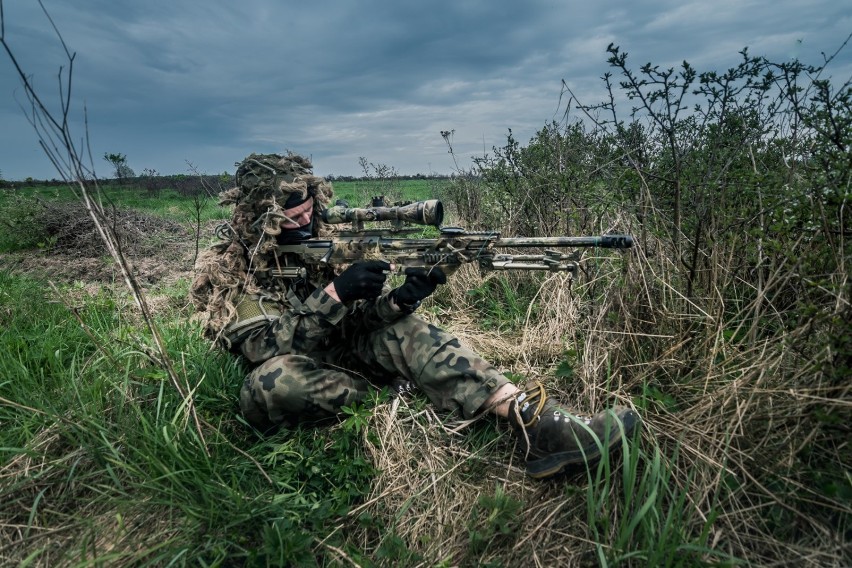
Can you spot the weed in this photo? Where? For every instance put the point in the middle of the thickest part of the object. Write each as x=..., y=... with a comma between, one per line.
x=493, y=520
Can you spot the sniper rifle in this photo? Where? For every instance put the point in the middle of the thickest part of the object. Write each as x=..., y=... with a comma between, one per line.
x=453, y=246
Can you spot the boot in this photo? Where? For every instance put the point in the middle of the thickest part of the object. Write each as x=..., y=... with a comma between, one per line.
x=555, y=439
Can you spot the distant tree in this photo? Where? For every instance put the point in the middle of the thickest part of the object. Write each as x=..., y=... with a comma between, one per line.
x=385, y=178
x=152, y=181
x=119, y=163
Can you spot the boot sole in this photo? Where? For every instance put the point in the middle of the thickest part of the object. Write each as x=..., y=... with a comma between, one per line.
x=556, y=463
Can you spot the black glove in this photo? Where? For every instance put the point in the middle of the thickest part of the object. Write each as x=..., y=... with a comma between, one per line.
x=419, y=284
x=362, y=280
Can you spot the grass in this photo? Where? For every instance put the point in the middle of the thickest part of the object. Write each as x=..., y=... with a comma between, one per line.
x=638, y=512
x=360, y=193
x=22, y=210
x=101, y=465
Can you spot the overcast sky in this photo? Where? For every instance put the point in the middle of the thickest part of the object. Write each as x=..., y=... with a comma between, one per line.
x=168, y=82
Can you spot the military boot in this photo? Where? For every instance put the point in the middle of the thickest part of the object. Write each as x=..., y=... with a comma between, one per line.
x=554, y=439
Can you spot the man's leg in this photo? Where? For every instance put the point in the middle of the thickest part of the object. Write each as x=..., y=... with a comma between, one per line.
x=456, y=378
x=451, y=375
x=292, y=388
x=500, y=401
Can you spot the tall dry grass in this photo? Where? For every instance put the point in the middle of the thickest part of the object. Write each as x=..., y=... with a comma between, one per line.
x=743, y=447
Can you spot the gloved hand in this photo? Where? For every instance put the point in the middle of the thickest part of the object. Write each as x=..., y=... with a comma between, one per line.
x=419, y=284
x=361, y=281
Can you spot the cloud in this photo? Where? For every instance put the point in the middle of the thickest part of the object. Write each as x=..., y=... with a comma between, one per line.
x=210, y=82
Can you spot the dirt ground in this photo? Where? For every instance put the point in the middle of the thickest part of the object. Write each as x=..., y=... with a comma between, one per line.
x=161, y=252
x=68, y=268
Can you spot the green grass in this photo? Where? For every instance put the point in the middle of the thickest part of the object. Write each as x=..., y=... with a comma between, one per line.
x=172, y=205
x=638, y=512
x=97, y=448
x=24, y=212
x=359, y=193
x=169, y=204
x=101, y=463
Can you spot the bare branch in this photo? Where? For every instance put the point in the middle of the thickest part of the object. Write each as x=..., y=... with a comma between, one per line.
x=56, y=140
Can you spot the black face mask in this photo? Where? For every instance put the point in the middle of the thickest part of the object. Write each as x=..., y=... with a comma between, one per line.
x=291, y=236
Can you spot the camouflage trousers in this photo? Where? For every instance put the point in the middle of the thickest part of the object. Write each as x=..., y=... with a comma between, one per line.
x=290, y=388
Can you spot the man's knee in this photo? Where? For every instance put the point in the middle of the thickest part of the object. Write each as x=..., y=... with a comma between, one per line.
x=291, y=388
x=275, y=390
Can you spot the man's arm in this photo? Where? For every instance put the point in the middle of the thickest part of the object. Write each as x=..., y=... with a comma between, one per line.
x=299, y=330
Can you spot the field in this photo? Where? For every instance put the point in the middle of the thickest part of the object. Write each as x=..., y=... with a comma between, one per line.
x=103, y=465
x=727, y=328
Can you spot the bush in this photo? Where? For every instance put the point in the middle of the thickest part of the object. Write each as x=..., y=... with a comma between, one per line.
x=729, y=324
x=20, y=224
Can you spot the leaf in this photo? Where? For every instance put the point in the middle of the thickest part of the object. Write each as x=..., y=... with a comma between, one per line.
x=565, y=370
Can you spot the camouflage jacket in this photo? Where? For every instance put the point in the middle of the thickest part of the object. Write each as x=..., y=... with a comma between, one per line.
x=312, y=325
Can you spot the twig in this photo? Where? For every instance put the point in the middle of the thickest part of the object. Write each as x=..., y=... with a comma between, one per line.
x=55, y=138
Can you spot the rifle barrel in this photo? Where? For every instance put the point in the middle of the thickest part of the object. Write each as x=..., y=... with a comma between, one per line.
x=603, y=241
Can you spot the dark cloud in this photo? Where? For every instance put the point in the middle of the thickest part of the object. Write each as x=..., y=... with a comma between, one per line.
x=208, y=82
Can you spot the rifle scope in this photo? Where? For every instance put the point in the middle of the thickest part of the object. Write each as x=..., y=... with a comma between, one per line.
x=430, y=212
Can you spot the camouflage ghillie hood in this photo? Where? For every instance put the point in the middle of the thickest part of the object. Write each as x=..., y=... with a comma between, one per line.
x=239, y=265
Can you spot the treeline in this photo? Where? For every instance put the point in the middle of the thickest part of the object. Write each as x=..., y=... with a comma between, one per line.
x=396, y=176
x=186, y=185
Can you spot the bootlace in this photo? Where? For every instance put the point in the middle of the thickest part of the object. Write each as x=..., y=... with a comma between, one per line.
x=523, y=404
x=524, y=400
